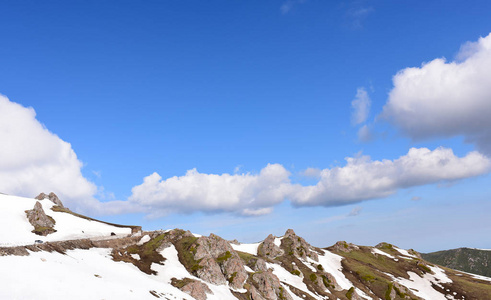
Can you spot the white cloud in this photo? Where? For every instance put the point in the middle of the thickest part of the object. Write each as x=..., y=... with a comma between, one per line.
x=355, y=211
x=363, y=179
x=360, y=106
x=247, y=194
x=445, y=99
x=34, y=160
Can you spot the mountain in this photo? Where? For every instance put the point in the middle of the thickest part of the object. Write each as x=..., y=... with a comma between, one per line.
x=49, y=252
x=477, y=261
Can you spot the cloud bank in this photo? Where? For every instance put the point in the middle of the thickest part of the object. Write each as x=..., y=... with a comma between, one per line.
x=34, y=160
x=246, y=194
x=445, y=99
x=363, y=179
x=360, y=107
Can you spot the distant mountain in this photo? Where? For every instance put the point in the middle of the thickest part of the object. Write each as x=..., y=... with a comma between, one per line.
x=49, y=252
x=476, y=261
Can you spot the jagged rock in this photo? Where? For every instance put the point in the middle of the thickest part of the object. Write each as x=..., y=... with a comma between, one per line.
x=219, y=262
x=234, y=241
x=255, y=295
x=52, y=196
x=210, y=271
x=298, y=246
x=194, y=288
x=342, y=246
x=269, y=286
x=269, y=249
x=43, y=224
x=260, y=265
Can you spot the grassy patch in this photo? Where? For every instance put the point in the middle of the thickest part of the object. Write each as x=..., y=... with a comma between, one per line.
x=186, y=251
x=349, y=293
x=180, y=283
x=389, y=290
x=296, y=272
x=313, y=277
x=224, y=257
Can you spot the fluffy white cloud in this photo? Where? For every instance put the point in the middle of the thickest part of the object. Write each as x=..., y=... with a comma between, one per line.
x=360, y=106
x=444, y=99
x=247, y=194
x=363, y=179
x=34, y=160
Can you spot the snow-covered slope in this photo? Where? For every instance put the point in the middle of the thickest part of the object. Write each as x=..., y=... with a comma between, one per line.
x=175, y=264
x=17, y=229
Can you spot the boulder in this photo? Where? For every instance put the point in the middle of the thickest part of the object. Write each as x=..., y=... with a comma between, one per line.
x=268, y=285
x=219, y=262
x=196, y=289
x=43, y=224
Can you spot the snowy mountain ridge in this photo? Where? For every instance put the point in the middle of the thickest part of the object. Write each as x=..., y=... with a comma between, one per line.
x=87, y=259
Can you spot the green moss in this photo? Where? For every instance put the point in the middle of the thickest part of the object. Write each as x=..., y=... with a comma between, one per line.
x=326, y=281
x=186, y=249
x=350, y=292
x=295, y=272
x=232, y=277
x=320, y=267
x=281, y=295
x=423, y=267
x=313, y=277
x=224, y=257
x=389, y=290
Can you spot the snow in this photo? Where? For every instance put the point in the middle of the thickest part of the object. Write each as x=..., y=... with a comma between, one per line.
x=475, y=276
x=247, y=248
x=378, y=251
x=46, y=272
x=277, y=241
x=332, y=264
x=422, y=286
x=135, y=256
x=404, y=252
x=248, y=269
x=69, y=227
x=287, y=277
x=287, y=288
x=143, y=240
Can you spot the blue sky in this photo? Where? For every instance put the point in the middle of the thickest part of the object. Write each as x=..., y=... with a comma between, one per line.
x=245, y=88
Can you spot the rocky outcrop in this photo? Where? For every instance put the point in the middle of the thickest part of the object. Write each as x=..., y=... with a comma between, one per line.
x=268, y=285
x=196, y=289
x=298, y=246
x=52, y=197
x=219, y=262
x=268, y=248
x=43, y=224
x=342, y=246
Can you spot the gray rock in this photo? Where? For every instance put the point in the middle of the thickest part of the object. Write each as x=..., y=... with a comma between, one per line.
x=268, y=285
x=43, y=224
x=298, y=246
x=52, y=197
x=219, y=262
x=269, y=249
x=197, y=290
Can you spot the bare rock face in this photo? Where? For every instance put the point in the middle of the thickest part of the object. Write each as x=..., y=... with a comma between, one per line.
x=255, y=295
x=342, y=246
x=269, y=249
x=298, y=246
x=195, y=289
x=43, y=224
x=52, y=196
x=219, y=262
x=268, y=285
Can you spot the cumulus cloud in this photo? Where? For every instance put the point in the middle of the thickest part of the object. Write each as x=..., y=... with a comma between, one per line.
x=445, y=99
x=246, y=194
x=34, y=160
x=363, y=179
x=360, y=107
